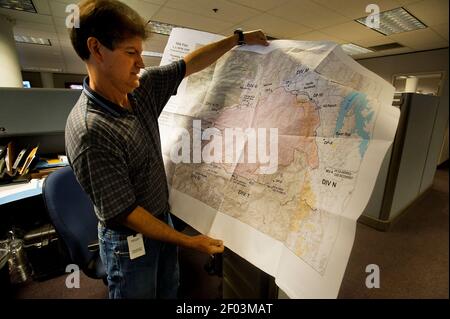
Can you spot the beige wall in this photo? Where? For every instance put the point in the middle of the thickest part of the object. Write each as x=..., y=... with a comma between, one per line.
x=9, y=61
x=427, y=61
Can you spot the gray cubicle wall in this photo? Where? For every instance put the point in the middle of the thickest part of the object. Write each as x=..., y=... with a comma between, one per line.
x=416, y=152
x=436, y=142
x=35, y=111
x=409, y=166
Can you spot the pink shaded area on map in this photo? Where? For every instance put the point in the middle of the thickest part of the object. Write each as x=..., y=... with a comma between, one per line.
x=296, y=118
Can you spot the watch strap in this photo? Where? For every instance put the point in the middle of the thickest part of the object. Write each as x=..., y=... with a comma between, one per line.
x=240, y=34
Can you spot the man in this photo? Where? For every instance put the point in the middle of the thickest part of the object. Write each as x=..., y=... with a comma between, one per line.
x=113, y=144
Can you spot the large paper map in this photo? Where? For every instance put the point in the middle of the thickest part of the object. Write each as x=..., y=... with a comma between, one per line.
x=295, y=217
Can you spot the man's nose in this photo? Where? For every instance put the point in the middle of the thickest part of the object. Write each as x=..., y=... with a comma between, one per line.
x=140, y=62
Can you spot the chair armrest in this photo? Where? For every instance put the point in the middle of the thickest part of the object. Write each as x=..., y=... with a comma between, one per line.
x=93, y=247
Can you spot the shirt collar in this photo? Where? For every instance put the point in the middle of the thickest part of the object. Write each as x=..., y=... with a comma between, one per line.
x=104, y=103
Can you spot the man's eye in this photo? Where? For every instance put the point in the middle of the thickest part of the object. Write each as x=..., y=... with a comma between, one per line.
x=130, y=52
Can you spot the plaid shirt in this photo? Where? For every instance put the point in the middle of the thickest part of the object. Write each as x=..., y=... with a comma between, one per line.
x=116, y=154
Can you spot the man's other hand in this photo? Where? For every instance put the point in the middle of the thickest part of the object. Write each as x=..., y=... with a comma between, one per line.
x=206, y=244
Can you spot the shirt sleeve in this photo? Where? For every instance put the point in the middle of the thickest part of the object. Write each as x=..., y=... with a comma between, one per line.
x=161, y=82
x=103, y=175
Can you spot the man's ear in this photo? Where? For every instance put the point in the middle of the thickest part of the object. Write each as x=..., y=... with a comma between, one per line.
x=94, y=47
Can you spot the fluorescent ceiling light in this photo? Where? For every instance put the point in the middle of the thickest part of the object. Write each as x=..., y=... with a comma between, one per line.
x=353, y=49
x=161, y=27
x=152, y=54
x=395, y=21
x=21, y=5
x=39, y=69
x=32, y=40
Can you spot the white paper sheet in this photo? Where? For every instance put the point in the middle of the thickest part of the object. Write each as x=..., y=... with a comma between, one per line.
x=335, y=121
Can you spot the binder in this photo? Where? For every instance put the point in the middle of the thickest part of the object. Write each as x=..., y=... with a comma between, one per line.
x=9, y=157
x=29, y=160
x=18, y=160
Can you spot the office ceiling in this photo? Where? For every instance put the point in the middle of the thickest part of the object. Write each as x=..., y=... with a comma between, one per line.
x=285, y=19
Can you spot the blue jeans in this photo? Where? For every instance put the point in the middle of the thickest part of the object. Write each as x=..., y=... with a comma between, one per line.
x=154, y=275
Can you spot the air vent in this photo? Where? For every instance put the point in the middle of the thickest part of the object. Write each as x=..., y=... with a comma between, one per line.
x=387, y=46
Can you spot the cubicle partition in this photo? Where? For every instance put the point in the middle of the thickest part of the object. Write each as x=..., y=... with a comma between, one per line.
x=410, y=164
x=35, y=117
x=31, y=117
x=34, y=111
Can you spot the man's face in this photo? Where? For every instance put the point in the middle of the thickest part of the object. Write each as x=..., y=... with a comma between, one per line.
x=123, y=64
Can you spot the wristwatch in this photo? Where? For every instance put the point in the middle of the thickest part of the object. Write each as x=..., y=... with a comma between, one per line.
x=240, y=34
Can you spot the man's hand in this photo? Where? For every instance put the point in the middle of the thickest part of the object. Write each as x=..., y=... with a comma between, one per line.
x=208, y=54
x=206, y=244
x=255, y=37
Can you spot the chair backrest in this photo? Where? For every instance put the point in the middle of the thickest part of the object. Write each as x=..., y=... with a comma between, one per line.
x=72, y=214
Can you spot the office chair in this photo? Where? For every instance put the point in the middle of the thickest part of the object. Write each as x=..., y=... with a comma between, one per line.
x=72, y=214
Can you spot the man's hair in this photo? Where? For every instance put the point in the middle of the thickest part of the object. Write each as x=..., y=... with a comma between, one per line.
x=109, y=21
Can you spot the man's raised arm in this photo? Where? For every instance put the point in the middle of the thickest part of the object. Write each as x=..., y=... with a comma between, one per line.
x=208, y=54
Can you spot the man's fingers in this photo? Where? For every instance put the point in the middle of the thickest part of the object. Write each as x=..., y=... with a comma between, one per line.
x=262, y=37
x=217, y=242
x=216, y=249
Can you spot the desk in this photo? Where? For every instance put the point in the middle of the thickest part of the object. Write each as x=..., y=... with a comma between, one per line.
x=11, y=193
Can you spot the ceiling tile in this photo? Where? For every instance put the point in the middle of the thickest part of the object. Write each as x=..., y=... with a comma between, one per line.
x=308, y=13
x=321, y=21
x=190, y=20
x=418, y=38
x=261, y=5
x=146, y=10
x=64, y=1
x=42, y=6
x=20, y=24
x=156, y=43
x=39, y=56
x=430, y=12
x=63, y=35
x=317, y=36
x=26, y=16
x=355, y=9
x=159, y=2
x=352, y=31
x=271, y=25
x=65, y=43
x=58, y=9
x=227, y=11
x=406, y=2
x=441, y=29
x=60, y=22
x=74, y=65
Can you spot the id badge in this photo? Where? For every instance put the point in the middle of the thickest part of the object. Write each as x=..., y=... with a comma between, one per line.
x=136, y=246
